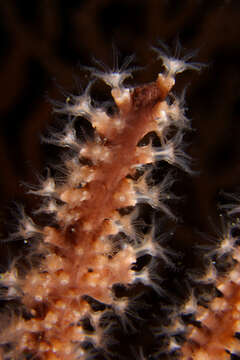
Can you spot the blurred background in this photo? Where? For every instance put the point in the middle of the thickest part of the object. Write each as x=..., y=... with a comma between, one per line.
x=43, y=43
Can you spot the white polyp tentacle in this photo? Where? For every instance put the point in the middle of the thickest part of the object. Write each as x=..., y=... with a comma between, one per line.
x=47, y=188
x=80, y=106
x=174, y=65
x=114, y=79
x=172, y=152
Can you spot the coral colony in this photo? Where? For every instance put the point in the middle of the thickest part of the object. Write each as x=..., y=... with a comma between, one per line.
x=98, y=230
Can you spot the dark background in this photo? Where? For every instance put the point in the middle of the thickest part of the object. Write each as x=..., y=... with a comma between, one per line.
x=42, y=43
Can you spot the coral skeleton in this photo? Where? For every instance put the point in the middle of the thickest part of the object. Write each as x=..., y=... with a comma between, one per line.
x=97, y=233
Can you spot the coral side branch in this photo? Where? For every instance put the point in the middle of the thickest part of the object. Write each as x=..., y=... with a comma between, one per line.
x=214, y=334
x=96, y=238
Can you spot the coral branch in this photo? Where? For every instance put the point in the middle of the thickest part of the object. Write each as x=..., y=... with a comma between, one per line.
x=94, y=244
x=214, y=336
